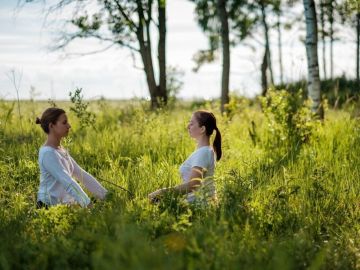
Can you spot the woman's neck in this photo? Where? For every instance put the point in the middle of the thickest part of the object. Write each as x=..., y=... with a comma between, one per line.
x=203, y=141
x=53, y=141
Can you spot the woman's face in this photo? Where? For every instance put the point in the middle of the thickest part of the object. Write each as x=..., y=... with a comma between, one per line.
x=194, y=128
x=61, y=127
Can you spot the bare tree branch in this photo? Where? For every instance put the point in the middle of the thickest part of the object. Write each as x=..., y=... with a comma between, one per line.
x=156, y=24
x=134, y=61
x=67, y=38
x=149, y=13
x=121, y=9
x=73, y=55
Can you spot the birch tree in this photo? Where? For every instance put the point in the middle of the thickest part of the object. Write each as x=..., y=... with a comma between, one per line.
x=323, y=35
x=312, y=58
x=278, y=12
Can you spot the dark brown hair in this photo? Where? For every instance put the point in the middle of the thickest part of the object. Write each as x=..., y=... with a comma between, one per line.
x=208, y=120
x=50, y=115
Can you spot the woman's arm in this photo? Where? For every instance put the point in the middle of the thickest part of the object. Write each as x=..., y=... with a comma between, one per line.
x=88, y=181
x=53, y=165
x=196, y=177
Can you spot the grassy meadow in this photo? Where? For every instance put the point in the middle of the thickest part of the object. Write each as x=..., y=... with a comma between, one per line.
x=288, y=189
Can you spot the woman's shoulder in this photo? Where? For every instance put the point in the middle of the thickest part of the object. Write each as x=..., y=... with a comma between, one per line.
x=205, y=150
x=45, y=149
x=45, y=152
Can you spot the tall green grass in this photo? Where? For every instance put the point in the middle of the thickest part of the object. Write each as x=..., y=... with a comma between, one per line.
x=280, y=207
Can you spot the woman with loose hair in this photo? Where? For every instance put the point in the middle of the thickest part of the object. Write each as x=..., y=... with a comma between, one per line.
x=57, y=167
x=198, y=169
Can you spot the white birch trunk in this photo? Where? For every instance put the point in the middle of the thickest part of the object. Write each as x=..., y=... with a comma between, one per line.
x=312, y=57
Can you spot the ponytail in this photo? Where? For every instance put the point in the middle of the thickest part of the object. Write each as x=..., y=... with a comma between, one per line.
x=208, y=120
x=217, y=144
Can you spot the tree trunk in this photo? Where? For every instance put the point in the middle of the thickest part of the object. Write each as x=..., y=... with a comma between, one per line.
x=162, y=50
x=280, y=46
x=267, y=42
x=331, y=21
x=145, y=52
x=323, y=34
x=149, y=69
x=358, y=50
x=223, y=17
x=264, y=81
x=312, y=58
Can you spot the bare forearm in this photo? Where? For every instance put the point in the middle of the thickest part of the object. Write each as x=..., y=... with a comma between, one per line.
x=179, y=189
x=186, y=187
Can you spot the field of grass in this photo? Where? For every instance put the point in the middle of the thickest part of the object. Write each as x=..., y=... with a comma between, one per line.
x=288, y=199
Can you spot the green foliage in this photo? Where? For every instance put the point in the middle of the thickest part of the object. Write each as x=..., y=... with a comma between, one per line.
x=236, y=105
x=79, y=107
x=87, y=25
x=203, y=57
x=241, y=20
x=299, y=214
x=6, y=115
x=339, y=91
x=289, y=119
x=52, y=103
x=352, y=5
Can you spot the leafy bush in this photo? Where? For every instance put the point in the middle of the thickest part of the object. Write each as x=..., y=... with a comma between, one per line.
x=338, y=91
x=289, y=120
x=80, y=109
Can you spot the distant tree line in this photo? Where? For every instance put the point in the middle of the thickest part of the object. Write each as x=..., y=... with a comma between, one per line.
x=227, y=23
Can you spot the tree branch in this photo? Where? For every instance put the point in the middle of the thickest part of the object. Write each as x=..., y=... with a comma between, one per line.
x=149, y=12
x=89, y=53
x=134, y=61
x=67, y=38
x=156, y=24
x=122, y=11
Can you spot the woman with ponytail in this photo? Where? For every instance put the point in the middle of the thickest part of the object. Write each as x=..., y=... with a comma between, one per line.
x=198, y=169
x=57, y=167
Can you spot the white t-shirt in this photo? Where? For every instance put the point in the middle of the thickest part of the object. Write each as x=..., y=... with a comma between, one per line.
x=57, y=186
x=203, y=157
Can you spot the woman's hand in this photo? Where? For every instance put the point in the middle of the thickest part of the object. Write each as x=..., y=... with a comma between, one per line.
x=154, y=197
x=90, y=205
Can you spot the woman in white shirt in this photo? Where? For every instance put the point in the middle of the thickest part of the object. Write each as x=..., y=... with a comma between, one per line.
x=198, y=169
x=57, y=167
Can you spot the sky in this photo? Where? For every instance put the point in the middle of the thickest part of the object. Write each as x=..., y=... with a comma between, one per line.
x=25, y=55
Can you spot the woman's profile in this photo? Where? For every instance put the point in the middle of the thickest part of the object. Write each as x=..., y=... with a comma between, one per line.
x=57, y=167
x=198, y=169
